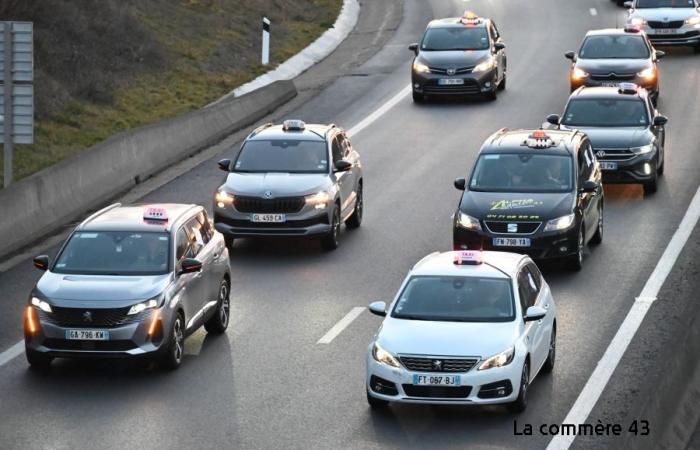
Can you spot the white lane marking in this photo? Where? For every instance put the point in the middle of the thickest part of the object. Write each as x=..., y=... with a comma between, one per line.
x=606, y=366
x=367, y=121
x=11, y=353
x=340, y=326
x=593, y=11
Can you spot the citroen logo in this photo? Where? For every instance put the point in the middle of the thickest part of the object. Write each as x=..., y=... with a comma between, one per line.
x=87, y=317
x=437, y=364
x=267, y=194
x=512, y=227
x=600, y=154
x=451, y=71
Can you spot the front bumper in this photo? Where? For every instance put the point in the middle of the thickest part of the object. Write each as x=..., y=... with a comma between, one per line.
x=639, y=169
x=473, y=83
x=307, y=222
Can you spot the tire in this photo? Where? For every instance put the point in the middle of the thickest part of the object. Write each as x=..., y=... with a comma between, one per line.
x=597, y=238
x=418, y=98
x=219, y=321
x=330, y=241
x=493, y=95
x=174, y=350
x=576, y=261
x=652, y=185
x=520, y=403
x=376, y=403
x=355, y=220
x=660, y=167
x=502, y=86
x=696, y=49
x=551, y=356
x=38, y=361
x=229, y=240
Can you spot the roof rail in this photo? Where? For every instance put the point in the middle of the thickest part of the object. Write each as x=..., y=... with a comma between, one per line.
x=423, y=259
x=100, y=212
x=259, y=129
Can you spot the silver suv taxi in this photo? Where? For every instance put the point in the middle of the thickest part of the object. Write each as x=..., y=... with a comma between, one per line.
x=130, y=281
x=293, y=179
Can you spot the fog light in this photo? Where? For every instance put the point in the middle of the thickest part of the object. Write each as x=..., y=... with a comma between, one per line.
x=416, y=85
x=563, y=249
x=487, y=84
x=647, y=169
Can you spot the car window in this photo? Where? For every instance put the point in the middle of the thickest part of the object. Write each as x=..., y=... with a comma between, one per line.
x=344, y=145
x=536, y=273
x=337, y=149
x=194, y=228
x=494, y=32
x=206, y=230
x=522, y=172
x=523, y=291
x=528, y=287
x=182, y=245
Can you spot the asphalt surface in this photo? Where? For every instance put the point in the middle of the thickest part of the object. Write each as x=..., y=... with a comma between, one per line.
x=267, y=383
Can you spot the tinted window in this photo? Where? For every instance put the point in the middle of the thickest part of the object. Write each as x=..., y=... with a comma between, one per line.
x=606, y=113
x=618, y=46
x=194, y=228
x=182, y=245
x=665, y=4
x=115, y=253
x=456, y=299
x=337, y=149
x=291, y=156
x=205, y=229
x=585, y=163
x=528, y=288
x=522, y=172
x=457, y=38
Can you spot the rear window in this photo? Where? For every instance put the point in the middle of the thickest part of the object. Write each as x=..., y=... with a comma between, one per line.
x=619, y=46
x=282, y=155
x=606, y=113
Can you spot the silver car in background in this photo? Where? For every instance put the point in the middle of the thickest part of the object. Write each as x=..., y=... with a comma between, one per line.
x=667, y=22
x=130, y=281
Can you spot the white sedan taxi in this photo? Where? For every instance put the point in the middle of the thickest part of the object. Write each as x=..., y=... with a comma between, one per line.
x=466, y=327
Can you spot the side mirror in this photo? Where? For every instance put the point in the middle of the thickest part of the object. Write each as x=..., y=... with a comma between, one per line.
x=190, y=265
x=570, y=55
x=342, y=165
x=499, y=46
x=378, y=308
x=225, y=165
x=554, y=119
x=41, y=262
x=628, y=5
x=413, y=48
x=660, y=120
x=460, y=183
x=534, y=313
x=659, y=54
x=589, y=186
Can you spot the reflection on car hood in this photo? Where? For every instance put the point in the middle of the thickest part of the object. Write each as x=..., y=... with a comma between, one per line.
x=617, y=66
x=606, y=137
x=419, y=337
x=453, y=59
x=516, y=206
x=278, y=184
x=664, y=14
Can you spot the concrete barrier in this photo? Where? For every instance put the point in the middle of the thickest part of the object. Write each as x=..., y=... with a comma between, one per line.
x=47, y=199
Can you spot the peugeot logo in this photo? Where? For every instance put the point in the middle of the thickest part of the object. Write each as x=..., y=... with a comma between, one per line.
x=600, y=154
x=267, y=194
x=87, y=317
x=437, y=364
x=451, y=71
x=512, y=227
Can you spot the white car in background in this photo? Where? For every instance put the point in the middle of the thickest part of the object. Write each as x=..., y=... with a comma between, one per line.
x=667, y=22
x=465, y=328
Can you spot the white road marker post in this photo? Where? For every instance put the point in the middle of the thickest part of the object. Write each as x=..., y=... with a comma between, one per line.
x=265, y=41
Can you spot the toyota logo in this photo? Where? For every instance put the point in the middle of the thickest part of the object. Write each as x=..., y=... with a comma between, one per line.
x=267, y=194
x=87, y=317
x=437, y=364
x=451, y=71
x=600, y=154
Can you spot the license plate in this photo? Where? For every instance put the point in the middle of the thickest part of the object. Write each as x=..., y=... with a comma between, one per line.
x=268, y=218
x=511, y=242
x=665, y=31
x=606, y=165
x=87, y=335
x=450, y=81
x=436, y=380
x=609, y=84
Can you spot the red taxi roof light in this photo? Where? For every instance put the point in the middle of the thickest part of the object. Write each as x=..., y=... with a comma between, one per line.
x=468, y=257
x=155, y=213
x=539, y=139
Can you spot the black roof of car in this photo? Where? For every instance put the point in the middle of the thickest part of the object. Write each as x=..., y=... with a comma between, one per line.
x=564, y=142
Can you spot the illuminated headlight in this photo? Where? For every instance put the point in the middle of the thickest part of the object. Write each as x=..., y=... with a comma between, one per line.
x=502, y=359
x=384, y=357
x=643, y=149
x=578, y=74
x=468, y=222
x=319, y=200
x=137, y=308
x=648, y=74
x=560, y=223
x=637, y=22
x=41, y=304
x=420, y=67
x=223, y=199
x=694, y=20
x=485, y=65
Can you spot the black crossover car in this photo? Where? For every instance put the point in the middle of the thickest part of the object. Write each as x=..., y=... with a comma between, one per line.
x=459, y=56
x=625, y=129
x=532, y=191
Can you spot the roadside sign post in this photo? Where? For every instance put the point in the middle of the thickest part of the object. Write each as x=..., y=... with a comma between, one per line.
x=265, y=41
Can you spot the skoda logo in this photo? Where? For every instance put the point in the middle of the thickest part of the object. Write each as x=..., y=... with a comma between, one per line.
x=512, y=227
x=267, y=194
x=451, y=71
x=437, y=364
x=600, y=154
x=87, y=317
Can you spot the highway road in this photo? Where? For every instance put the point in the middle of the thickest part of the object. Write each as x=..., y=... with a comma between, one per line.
x=268, y=383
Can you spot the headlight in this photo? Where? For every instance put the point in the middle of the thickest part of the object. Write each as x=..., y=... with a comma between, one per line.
x=648, y=74
x=467, y=221
x=319, y=200
x=420, y=67
x=502, y=359
x=694, y=20
x=137, y=308
x=578, y=74
x=485, y=65
x=560, y=223
x=637, y=22
x=643, y=149
x=384, y=357
x=223, y=199
x=42, y=305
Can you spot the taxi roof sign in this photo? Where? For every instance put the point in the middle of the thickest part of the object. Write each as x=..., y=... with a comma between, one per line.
x=628, y=88
x=468, y=257
x=293, y=125
x=539, y=139
x=155, y=213
x=470, y=18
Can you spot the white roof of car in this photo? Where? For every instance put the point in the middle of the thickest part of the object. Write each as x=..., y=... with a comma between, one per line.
x=493, y=265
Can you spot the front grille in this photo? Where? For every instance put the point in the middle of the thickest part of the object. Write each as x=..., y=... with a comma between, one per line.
x=470, y=87
x=283, y=205
x=99, y=317
x=614, y=154
x=322, y=219
x=438, y=364
x=613, y=76
x=97, y=346
x=458, y=71
x=502, y=227
x=437, y=391
x=665, y=25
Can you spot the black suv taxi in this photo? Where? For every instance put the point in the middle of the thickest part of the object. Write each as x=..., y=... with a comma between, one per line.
x=532, y=191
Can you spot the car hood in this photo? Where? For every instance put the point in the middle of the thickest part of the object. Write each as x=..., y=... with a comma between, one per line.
x=529, y=206
x=664, y=14
x=618, y=66
x=278, y=184
x=418, y=337
x=605, y=137
x=453, y=59
x=107, y=291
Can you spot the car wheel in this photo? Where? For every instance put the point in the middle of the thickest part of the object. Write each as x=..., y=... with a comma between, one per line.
x=219, y=321
x=660, y=167
x=652, y=185
x=38, y=361
x=576, y=260
x=492, y=95
x=696, y=49
x=229, y=240
x=598, y=236
x=502, y=86
x=175, y=348
x=520, y=403
x=355, y=220
x=418, y=98
x=376, y=403
x=549, y=362
x=330, y=241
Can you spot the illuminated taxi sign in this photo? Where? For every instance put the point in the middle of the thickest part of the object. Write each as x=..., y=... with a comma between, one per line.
x=468, y=257
x=628, y=88
x=470, y=18
x=155, y=214
x=293, y=125
x=539, y=139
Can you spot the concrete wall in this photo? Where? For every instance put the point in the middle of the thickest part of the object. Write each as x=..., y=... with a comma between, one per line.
x=47, y=199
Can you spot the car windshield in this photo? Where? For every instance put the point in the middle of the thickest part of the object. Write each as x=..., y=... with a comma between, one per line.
x=456, y=299
x=619, y=46
x=665, y=4
x=455, y=38
x=522, y=172
x=606, y=113
x=282, y=155
x=115, y=253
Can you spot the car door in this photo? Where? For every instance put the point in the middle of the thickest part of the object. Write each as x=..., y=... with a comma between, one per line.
x=586, y=199
x=500, y=55
x=532, y=329
x=343, y=179
x=658, y=130
x=206, y=283
x=186, y=284
x=350, y=155
x=540, y=294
